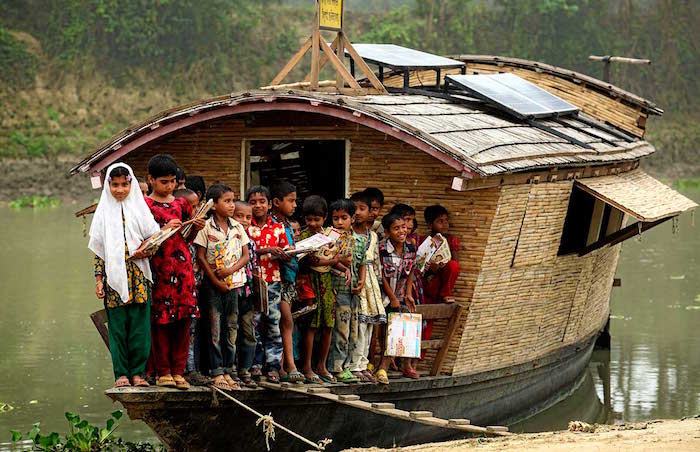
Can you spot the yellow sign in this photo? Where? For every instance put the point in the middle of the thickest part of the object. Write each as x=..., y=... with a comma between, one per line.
x=330, y=15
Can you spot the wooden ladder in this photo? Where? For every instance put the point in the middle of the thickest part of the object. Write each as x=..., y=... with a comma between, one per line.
x=388, y=409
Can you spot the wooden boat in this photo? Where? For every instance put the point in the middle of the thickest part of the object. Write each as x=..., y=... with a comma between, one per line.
x=541, y=207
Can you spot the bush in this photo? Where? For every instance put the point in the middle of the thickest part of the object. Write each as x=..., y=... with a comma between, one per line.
x=18, y=65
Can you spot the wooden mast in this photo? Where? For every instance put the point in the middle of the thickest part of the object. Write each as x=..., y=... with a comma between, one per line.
x=328, y=15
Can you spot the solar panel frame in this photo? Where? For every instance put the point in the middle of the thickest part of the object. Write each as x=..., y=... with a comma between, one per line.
x=513, y=94
x=403, y=58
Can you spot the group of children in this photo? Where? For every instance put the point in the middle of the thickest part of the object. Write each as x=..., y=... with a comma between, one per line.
x=322, y=307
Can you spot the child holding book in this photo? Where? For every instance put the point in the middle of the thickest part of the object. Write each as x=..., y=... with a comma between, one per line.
x=247, y=340
x=439, y=279
x=122, y=222
x=284, y=203
x=174, y=295
x=222, y=252
x=317, y=266
x=370, y=310
x=398, y=259
x=270, y=240
x=347, y=284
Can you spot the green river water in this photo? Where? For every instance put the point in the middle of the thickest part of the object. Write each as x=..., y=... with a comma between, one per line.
x=52, y=359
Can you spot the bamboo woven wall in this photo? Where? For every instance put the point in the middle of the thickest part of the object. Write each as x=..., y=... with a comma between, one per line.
x=402, y=172
x=590, y=101
x=528, y=301
x=523, y=300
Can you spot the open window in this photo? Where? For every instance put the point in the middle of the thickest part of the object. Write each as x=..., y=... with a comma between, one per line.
x=599, y=206
x=315, y=167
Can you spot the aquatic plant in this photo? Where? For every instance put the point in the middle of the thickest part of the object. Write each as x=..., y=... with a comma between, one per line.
x=35, y=201
x=83, y=437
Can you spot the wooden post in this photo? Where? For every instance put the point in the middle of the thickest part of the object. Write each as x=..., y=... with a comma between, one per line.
x=340, y=52
x=607, y=59
x=315, y=48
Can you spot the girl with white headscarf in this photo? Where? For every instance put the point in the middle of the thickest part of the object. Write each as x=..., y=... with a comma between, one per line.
x=121, y=224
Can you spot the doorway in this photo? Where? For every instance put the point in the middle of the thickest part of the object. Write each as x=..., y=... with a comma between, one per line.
x=315, y=167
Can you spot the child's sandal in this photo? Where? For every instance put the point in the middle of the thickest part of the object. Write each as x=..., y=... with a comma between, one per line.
x=382, y=377
x=273, y=377
x=180, y=383
x=220, y=383
x=166, y=381
x=139, y=382
x=122, y=382
x=247, y=380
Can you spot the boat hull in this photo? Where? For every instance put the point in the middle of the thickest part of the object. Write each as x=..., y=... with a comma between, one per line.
x=198, y=420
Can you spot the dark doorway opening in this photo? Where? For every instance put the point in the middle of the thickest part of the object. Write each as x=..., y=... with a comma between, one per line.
x=314, y=167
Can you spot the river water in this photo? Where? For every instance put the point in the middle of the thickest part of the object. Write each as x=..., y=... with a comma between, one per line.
x=52, y=359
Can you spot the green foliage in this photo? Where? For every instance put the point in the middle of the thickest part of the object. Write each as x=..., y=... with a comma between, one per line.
x=18, y=65
x=83, y=437
x=35, y=201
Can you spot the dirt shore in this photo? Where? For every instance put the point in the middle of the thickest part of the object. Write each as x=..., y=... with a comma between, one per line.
x=676, y=435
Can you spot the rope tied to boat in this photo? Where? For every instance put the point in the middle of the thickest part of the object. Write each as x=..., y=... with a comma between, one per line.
x=268, y=427
x=269, y=424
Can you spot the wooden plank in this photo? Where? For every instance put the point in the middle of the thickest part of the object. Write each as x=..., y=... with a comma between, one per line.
x=436, y=311
x=458, y=421
x=348, y=397
x=320, y=390
x=419, y=414
x=360, y=62
x=383, y=405
x=99, y=319
x=292, y=62
x=496, y=428
x=339, y=66
x=449, y=332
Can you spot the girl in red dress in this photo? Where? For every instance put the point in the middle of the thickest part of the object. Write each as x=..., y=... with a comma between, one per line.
x=174, y=293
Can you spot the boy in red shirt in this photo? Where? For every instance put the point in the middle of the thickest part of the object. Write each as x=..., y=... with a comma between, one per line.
x=270, y=240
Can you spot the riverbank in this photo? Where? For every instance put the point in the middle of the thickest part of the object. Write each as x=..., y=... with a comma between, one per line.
x=677, y=435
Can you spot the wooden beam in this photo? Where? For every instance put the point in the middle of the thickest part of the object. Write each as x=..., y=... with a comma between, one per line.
x=339, y=66
x=363, y=66
x=449, y=332
x=323, y=60
x=340, y=53
x=622, y=235
x=596, y=221
x=315, y=39
x=292, y=62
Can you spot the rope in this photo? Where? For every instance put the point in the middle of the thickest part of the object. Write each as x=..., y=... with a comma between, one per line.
x=269, y=424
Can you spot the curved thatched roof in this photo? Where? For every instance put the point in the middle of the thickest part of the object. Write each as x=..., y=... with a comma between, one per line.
x=469, y=136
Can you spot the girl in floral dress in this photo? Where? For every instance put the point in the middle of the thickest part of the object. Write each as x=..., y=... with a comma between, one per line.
x=174, y=292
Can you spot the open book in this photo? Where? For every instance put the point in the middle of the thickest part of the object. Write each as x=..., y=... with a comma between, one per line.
x=201, y=213
x=310, y=244
x=433, y=250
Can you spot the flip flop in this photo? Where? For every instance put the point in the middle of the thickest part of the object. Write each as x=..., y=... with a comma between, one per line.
x=247, y=380
x=221, y=384
x=382, y=377
x=327, y=378
x=272, y=377
x=410, y=373
x=293, y=377
x=362, y=377
x=122, y=382
x=312, y=379
x=369, y=376
x=232, y=383
x=347, y=377
x=139, y=382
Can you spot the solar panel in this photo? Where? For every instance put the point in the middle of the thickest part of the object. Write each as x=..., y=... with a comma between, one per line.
x=402, y=58
x=513, y=94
